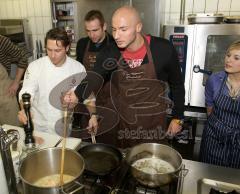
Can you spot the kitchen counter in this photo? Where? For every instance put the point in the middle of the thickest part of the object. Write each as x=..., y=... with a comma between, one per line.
x=49, y=139
x=198, y=171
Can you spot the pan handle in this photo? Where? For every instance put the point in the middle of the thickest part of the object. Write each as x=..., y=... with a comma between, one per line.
x=73, y=188
x=182, y=173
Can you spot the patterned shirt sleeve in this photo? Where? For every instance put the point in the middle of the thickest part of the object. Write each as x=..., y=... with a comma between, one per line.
x=14, y=53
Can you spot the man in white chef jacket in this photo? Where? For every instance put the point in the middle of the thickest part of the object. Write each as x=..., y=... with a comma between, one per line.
x=44, y=75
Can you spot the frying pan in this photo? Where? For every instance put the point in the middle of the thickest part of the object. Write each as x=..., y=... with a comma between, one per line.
x=100, y=159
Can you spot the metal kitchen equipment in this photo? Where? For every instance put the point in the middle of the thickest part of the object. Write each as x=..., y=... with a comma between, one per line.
x=154, y=151
x=6, y=139
x=121, y=181
x=205, y=18
x=17, y=31
x=46, y=162
x=202, y=46
x=232, y=19
x=101, y=159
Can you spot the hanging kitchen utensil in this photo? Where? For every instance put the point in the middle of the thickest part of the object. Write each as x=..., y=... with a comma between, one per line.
x=40, y=49
x=37, y=49
x=205, y=18
x=100, y=159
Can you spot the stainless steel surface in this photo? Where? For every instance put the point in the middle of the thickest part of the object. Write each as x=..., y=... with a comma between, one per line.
x=17, y=31
x=205, y=18
x=206, y=47
x=6, y=139
x=199, y=171
x=153, y=150
x=205, y=185
x=232, y=19
x=46, y=162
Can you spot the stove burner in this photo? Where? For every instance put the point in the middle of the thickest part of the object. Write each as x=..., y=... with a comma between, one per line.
x=214, y=191
x=122, y=182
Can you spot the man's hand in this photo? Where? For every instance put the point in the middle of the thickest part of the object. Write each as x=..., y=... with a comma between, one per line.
x=22, y=117
x=70, y=100
x=12, y=89
x=93, y=124
x=174, y=127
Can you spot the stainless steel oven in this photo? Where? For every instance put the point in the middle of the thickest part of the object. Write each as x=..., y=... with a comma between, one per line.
x=201, y=49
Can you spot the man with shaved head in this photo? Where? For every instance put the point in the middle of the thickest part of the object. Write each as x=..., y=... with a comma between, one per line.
x=142, y=70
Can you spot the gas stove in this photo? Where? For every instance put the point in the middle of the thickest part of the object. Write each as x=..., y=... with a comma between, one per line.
x=121, y=182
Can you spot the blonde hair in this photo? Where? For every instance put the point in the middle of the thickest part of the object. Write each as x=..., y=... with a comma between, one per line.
x=234, y=46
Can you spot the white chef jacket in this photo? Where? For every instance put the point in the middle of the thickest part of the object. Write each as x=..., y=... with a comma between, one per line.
x=40, y=78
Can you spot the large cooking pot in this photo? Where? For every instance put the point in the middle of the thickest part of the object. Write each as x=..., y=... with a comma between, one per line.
x=205, y=18
x=47, y=162
x=100, y=159
x=150, y=161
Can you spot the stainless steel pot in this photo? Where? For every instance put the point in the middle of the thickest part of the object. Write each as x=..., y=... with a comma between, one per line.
x=152, y=151
x=47, y=162
x=205, y=18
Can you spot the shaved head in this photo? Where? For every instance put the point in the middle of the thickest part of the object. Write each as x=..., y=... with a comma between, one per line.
x=127, y=12
x=126, y=28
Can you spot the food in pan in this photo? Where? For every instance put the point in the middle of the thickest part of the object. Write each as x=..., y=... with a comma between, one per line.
x=153, y=166
x=53, y=180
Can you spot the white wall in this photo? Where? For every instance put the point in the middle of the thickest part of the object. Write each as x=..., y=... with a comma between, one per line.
x=38, y=12
x=172, y=8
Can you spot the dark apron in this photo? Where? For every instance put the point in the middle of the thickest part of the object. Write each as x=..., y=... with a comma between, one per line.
x=81, y=116
x=221, y=137
x=141, y=102
x=89, y=58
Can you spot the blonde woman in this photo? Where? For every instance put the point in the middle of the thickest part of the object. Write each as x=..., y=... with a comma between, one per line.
x=221, y=136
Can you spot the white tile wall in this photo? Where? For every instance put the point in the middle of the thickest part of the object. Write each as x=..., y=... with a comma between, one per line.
x=1, y=9
x=235, y=6
x=38, y=12
x=23, y=5
x=46, y=9
x=16, y=12
x=188, y=6
x=212, y=6
x=9, y=9
x=37, y=8
x=175, y=6
x=227, y=7
x=30, y=8
x=224, y=5
x=198, y=6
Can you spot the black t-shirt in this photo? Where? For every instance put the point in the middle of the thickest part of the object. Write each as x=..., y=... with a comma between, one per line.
x=166, y=64
x=94, y=47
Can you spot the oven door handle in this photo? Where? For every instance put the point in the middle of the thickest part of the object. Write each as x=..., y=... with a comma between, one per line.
x=197, y=69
